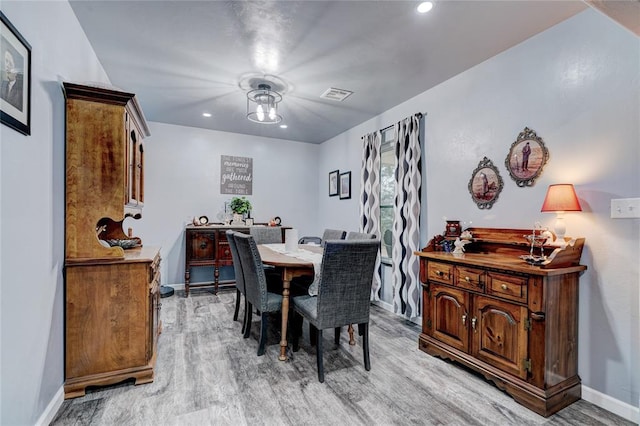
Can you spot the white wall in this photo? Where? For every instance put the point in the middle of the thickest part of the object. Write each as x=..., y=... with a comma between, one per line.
x=32, y=212
x=577, y=86
x=182, y=180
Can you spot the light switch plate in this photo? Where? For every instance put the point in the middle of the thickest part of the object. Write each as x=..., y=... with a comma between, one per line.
x=625, y=208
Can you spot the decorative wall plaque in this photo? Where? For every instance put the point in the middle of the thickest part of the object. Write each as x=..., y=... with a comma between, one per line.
x=236, y=175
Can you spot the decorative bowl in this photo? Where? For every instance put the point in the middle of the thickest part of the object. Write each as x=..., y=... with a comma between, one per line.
x=125, y=244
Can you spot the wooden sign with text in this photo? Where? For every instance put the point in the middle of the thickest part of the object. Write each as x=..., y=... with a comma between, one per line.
x=236, y=175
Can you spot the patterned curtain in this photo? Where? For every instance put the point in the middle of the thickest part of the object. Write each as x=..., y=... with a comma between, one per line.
x=406, y=220
x=370, y=197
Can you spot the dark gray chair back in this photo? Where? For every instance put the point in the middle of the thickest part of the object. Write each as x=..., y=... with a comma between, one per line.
x=333, y=234
x=255, y=281
x=359, y=236
x=237, y=266
x=344, y=292
x=266, y=234
x=310, y=239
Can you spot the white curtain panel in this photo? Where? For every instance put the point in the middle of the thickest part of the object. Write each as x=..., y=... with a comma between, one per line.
x=406, y=220
x=370, y=198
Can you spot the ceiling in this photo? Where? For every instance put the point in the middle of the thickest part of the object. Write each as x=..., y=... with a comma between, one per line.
x=183, y=58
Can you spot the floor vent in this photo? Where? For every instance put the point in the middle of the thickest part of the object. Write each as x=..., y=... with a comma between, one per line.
x=336, y=94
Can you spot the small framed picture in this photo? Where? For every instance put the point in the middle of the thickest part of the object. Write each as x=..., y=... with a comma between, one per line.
x=15, y=95
x=527, y=156
x=485, y=184
x=333, y=183
x=345, y=185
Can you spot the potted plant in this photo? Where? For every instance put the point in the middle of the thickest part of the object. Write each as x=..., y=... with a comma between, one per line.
x=240, y=207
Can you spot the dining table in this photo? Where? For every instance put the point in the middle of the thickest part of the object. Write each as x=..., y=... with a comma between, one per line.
x=290, y=267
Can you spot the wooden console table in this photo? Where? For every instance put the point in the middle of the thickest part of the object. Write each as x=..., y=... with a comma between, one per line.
x=207, y=245
x=515, y=323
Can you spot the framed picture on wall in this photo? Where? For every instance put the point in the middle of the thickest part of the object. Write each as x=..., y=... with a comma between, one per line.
x=345, y=185
x=485, y=184
x=333, y=183
x=527, y=156
x=15, y=67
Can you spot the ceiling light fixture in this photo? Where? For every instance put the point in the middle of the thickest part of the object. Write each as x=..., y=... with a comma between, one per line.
x=206, y=114
x=262, y=105
x=425, y=6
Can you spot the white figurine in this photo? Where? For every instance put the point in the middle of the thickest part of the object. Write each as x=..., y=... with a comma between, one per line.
x=459, y=245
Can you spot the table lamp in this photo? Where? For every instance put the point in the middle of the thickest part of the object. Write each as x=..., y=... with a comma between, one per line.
x=561, y=198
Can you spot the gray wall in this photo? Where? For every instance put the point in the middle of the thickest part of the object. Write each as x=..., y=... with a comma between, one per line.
x=577, y=86
x=182, y=180
x=32, y=213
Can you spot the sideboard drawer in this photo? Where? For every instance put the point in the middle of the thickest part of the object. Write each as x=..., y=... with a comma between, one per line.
x=442, y=272
x=507, y=286
x=469, y=278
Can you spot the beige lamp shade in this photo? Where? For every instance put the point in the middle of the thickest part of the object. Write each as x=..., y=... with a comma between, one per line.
x=561, y=198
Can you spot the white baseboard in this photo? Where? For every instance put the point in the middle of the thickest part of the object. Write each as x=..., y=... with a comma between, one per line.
x=52, y=409
x=613, y=405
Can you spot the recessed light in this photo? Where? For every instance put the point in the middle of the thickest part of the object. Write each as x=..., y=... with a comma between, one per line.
x=283, y=126
x=425, y=6
x=206, y=114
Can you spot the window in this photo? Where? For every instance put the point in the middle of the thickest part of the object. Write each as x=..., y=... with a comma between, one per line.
x=387, y=189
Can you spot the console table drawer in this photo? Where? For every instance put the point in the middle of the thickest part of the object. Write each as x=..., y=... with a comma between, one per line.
x=507, y=286
x=442, y=272
x=469, y=278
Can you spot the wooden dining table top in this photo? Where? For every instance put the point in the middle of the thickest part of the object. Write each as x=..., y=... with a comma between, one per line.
x=272, y=257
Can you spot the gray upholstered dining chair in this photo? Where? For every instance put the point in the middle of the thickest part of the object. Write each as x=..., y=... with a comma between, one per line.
x=239, y=275
x=352, y=235
x=266, y=234
x=310, y=239
x=255, y=283
x=344, y=293
x=333, y=234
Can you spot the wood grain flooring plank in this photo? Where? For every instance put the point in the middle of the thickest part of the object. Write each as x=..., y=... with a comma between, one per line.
x=208, y=374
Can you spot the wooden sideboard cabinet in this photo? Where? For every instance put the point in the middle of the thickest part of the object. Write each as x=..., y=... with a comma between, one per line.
x=208, y=246
x=514, y=323
x=112, y=303
x=112, y=320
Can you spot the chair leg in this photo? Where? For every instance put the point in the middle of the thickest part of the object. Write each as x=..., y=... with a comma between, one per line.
x=264, y=324
x=364, y=331
x=296, y=330
x=247, y=324
x=238, y=297
x=244, y=317
x=313, y=334
x=337, y=336
x=319, y=355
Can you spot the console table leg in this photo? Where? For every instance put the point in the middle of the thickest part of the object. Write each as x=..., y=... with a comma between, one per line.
x=187, y=275
x=216, y=278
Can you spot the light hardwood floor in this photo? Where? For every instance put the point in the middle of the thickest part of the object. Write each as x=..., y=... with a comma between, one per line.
x=207, y=374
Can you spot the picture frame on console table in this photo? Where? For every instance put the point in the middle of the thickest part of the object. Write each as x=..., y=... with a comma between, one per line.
x=15, y=95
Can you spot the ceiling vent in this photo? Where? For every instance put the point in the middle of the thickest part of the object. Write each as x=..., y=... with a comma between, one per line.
x=336, y=94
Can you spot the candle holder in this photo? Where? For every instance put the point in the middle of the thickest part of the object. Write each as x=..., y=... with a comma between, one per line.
x=535, y=240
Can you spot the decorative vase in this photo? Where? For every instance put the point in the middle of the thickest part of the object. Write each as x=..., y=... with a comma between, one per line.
x=237, y=219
